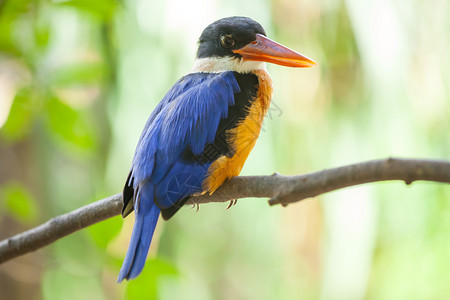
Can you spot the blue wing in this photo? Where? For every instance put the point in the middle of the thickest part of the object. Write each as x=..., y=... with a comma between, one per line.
x=186, y=120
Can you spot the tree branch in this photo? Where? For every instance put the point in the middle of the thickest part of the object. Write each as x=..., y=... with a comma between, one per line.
x=281, y=189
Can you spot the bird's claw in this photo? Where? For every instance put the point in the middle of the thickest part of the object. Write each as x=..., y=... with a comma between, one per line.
x=196, y=206
x=232, y=203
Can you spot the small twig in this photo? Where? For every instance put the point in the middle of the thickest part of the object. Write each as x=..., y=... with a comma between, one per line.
x=281, y=189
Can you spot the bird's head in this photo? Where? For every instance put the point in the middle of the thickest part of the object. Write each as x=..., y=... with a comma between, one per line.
x=240, y=44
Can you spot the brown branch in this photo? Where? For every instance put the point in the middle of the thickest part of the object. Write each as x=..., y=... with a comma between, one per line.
x=59, y=227
x=281, y=189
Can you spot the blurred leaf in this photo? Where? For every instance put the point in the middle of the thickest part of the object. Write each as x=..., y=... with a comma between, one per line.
x=42, y=35
x=84, y=73
x=20, y=117
x=77, y=253
x=6, y=43
x=145, y=286
x=59, y=284
x=11, y=12
x=103, y=232
x=101, y=9
x=19, y=202
x=17, y=7
x=69, y=125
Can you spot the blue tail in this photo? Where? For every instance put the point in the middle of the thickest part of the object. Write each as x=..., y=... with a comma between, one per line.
x=144, y=225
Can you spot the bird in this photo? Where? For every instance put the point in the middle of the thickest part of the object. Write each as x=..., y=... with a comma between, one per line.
x=202, y=131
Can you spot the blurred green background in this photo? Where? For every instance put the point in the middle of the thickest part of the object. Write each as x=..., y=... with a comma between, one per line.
x=79, y=78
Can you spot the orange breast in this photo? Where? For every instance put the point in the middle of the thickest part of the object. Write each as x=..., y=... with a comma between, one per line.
x=243, y=137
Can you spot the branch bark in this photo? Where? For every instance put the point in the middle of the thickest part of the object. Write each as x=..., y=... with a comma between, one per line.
x=281, y=189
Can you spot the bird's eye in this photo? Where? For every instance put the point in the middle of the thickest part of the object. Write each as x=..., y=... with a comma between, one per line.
x=227, y=41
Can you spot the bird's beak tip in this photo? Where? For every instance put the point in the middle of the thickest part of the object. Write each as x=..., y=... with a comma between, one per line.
x=306, y=62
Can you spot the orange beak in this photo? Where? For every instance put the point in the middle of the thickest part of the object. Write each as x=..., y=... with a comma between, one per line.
x=264, y=49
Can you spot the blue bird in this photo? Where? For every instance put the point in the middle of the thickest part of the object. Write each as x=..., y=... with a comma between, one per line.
x=203, y=130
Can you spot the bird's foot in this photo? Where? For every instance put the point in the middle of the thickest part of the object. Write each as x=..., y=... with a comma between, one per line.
x=232, y=203
x=196, y=206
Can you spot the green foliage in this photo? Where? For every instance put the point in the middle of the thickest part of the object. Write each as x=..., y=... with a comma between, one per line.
x=100, y=9
x=65, y=284
x=12, y=12
x=102, y=233
x=21, y=115
x=18, y=202
x=69, y=125
x=78, y=74
x=42, y=35
x=146, y=286
x=41, y=117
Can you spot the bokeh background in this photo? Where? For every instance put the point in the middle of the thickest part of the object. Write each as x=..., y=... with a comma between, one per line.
x=79, y=78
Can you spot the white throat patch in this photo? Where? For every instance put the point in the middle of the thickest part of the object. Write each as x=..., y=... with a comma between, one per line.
x=222, y=64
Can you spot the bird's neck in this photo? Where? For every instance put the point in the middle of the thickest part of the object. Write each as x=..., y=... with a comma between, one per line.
x=222, y=64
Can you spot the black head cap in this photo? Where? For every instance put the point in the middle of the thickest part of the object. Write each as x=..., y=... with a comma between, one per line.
x=227, y=34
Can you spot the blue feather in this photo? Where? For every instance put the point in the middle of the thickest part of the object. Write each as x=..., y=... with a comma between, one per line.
x=181, y=181
x=147, y=214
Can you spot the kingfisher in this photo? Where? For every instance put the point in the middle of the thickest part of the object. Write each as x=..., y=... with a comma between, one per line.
x=204, y=128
